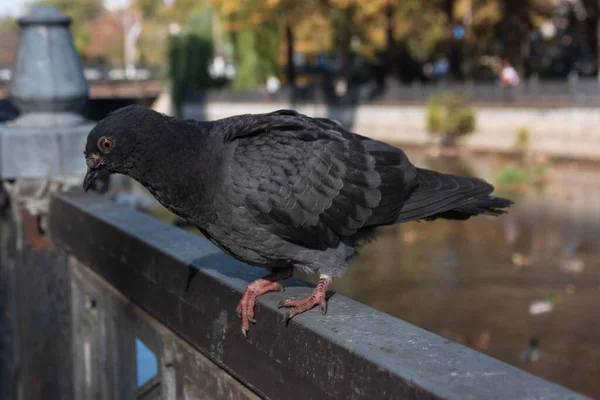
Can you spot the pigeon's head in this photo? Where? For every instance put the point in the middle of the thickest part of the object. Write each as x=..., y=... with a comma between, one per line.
x=116, y=141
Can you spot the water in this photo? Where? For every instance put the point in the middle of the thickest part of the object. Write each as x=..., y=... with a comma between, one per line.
x=523, y=288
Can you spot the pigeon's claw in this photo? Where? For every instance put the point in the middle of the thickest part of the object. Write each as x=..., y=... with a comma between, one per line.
x=299, y=306
x=245, y=308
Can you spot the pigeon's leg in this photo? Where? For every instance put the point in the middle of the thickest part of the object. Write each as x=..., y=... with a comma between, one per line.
x=245, y=308
x=316, y=299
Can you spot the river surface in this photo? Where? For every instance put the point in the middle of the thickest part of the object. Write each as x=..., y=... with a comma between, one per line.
x=523, y=288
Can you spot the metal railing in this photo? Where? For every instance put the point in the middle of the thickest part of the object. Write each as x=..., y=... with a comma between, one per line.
x=531, y=93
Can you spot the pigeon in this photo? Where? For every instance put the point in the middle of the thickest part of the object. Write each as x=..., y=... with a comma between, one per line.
x=280, y=190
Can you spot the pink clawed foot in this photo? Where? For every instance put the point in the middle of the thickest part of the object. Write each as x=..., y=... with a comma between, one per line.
x=245, y=308
x=299, y=306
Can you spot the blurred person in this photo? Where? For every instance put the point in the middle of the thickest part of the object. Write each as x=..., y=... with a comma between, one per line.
x=441, y=68
x=273, y=84
x=341, y=87
x=428, y=70
x=509, y=77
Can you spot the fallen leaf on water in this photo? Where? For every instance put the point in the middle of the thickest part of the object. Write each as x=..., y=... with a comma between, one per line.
x=520, y=260
x=409, y=237
x=570, y=288
x=540, y=307
x=572, y=266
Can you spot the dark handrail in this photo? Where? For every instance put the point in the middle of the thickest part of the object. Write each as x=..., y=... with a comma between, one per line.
x=353, y=352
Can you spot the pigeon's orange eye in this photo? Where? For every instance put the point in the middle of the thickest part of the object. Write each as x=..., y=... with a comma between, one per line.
x=105, y=144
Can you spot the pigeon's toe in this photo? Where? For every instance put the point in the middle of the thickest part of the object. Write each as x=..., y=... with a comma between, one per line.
x=298, y=306
x=245, y=308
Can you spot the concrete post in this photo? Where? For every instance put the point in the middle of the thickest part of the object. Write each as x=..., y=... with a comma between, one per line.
x=41, y=152
x=42, y=149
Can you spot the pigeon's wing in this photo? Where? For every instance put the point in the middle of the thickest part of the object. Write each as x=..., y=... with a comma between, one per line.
x=308, y=180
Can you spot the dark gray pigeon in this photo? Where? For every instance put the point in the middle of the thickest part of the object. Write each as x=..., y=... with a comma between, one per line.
x=281, y=191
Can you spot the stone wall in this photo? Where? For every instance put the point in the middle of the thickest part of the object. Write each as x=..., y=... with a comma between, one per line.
x=569, y=132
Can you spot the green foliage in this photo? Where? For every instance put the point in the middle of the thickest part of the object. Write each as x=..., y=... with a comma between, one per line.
x=421, y=30
x=148, y=8
x=513, y=175
x=436, y=114
x=247, y=61
x=523, y=137
x=461, y=121
x=189, y=58
x=256, y=55
x=267, y=50
x=422, y=26
x=450, y=116
x=200, y=23
x=180, y=11
x=516, y=176
x=253, y=29
x=190, y=15
x=539, y=170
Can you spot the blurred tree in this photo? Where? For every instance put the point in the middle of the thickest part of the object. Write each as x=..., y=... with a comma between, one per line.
x=352, y=22
x=189, y=58
x=161, y=20
x=452, y=43
x=345, y=27
x=9, y=32
x=267, y=19
x=246, y=58
x=401, y=35
x=244, y=40
x=421, y=26
x=515, y=28
x=81, y=11
x=180, y=11
x=469, y=32
x=592, y=28
x=313, y=36
x=153, y=42
x=267, y=49
x=483, y=17
x=356, y=31
x=390, y=38
x=519, y=17
x=149, y=8
x=291, y=65
x=311, y=26
x=105, y=46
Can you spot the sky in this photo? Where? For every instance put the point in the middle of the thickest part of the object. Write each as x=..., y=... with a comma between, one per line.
x=16, y=8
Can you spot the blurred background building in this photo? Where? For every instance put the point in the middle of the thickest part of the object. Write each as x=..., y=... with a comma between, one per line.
x=298, y=42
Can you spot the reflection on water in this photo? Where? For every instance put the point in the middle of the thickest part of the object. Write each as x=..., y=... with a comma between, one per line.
x=523, y=288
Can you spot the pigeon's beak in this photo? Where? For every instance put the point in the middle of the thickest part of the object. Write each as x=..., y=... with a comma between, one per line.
x=89, y=179
x=95, y=170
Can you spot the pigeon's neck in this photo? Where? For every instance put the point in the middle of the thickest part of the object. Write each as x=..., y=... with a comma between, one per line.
x=180, y=170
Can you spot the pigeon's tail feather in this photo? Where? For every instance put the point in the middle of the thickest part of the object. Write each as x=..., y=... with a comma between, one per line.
x=488, y=205
x=447, y=196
